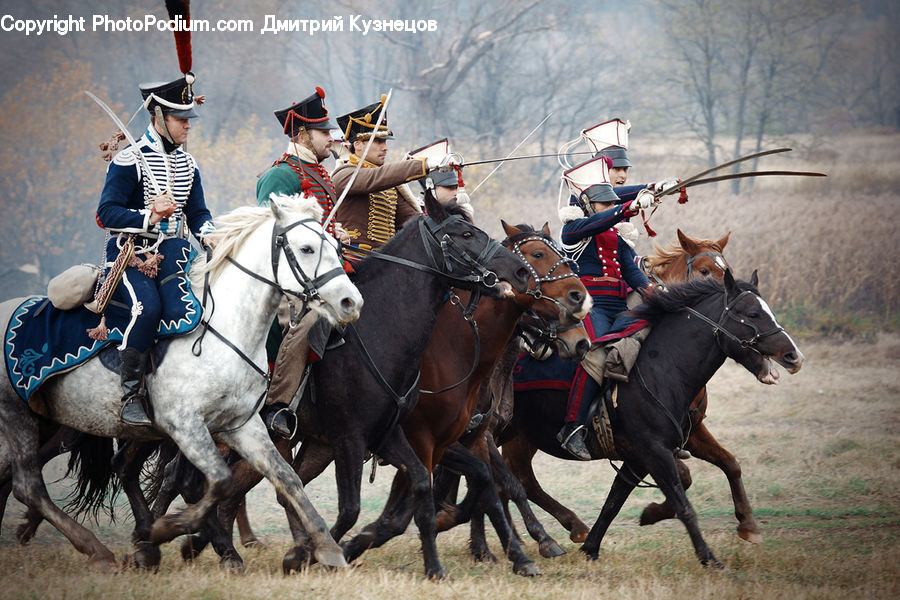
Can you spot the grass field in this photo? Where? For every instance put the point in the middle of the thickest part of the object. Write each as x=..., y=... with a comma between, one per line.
x=821, y=463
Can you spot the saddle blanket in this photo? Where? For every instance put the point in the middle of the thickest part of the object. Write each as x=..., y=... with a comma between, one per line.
x=41, y=341
x=557, y=373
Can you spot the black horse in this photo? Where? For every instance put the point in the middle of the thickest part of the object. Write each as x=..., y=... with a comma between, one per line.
x=363, y=388
x=695, y=327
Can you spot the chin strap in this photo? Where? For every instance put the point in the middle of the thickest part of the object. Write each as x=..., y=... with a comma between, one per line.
x=161, y=121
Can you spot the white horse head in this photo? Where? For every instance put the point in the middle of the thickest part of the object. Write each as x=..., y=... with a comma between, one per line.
x=303, y=260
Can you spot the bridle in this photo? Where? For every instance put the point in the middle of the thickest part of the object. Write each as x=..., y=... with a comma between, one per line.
x=728, y=314
x=717, y=257
x=520, y=239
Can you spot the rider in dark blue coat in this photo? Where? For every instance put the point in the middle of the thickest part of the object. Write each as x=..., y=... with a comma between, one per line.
x=153, y=191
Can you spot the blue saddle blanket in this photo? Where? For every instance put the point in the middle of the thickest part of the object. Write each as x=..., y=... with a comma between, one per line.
x=41, y=341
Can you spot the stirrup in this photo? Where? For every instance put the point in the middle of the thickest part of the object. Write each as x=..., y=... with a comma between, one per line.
x=574, y=444
x=280, y=419
x=132, y=412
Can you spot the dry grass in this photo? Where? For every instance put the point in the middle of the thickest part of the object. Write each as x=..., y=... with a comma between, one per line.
x=821, y=464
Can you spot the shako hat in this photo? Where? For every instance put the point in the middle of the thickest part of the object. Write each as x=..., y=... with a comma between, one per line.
x=589, y=182
x=360, y=124
x=174, y=98
x=309, y=113
x=609, y=139
x=438, y=150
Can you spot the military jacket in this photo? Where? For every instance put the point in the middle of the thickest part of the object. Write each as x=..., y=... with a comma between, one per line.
x=291, y=175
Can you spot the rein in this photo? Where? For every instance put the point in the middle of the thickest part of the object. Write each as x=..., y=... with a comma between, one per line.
x=519, y=240
x=310, y=292
x=718, y=326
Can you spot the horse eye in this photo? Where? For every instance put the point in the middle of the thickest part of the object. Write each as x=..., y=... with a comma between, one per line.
x=307, y=250
x=538, y=255
x=753, y=315
x=467, y=234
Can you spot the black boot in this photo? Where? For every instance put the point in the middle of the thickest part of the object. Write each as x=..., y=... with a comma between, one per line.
x=279, y=419
x=134, y=398
x=571, y=436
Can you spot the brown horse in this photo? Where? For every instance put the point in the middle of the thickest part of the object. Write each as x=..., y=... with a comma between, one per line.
x=688, y=259
x=555, y=295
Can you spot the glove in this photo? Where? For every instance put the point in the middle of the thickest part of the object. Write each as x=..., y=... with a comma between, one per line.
x=443, y=163
x=665, y=184
x=644, y=200
x=163, y=205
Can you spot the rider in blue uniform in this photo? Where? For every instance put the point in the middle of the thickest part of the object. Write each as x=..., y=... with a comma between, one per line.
x=154, y=193
x=607, y=269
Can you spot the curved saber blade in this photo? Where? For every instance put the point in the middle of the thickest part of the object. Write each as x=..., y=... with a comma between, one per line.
x=381, y=114
x=156, y=189
x=511, y=153
x=752, y=174
x=695, y=177
x=493, y=160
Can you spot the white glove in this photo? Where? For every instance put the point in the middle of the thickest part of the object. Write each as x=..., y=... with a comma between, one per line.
x=665, y=184
x=443, y=163
x=644, y=200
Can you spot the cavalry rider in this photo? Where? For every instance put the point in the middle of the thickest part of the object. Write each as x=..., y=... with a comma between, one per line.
x=379, y=202
x=298, y=171
x=160, y=207
x=607, y=269
x=446, y=183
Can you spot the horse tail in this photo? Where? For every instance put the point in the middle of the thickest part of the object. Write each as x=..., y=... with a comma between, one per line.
x=96, y=486
x=154, y=472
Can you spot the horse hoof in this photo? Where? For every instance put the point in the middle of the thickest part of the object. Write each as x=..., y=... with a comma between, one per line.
x=25, y=533
x=550, y=549
x=436, y=575
x=754, y=537
x=652, y=513
x=527, y=569
x=253, y=543
x=331, y=557
x=483, y=555
x=295, y=560
x=165, y=529
x=103, y=563
x=445, y=520
x=147, y=557
x=232, y=564
x=590, y=554
x=578, y=534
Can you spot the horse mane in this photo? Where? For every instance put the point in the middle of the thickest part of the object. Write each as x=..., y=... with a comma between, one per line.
x=526, y=230
x=233, y=228
x=671, y=255
x=676, y=297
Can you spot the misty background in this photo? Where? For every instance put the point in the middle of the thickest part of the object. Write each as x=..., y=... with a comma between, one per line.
x=706, y=80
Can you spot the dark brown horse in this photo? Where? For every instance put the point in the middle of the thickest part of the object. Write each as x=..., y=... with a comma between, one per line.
x=440, y=418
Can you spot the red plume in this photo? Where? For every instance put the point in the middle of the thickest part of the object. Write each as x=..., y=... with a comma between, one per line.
x=181, y=8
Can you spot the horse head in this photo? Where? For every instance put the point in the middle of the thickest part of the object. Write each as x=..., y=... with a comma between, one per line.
x=752, y=335
x=690, y=258
x=556, y=300
x=468, y=256
x=305, y=261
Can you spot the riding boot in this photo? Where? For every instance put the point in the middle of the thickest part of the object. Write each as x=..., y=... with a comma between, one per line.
x=287, y=375
x=571, y=436
x=134, y=394
x=279, y=419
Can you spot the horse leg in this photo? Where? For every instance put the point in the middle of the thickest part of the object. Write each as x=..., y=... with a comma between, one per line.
x=512, y=489
x=146, y=555
x=248, y=538
x=661, y=465
x=478, y=478
x=659, y=511
x=311, y=460
x=420, y=503
x=623, y=484
x=703, y=445
x=393, y=520
x=252, y=442
x=19, y=428
x=518, y=453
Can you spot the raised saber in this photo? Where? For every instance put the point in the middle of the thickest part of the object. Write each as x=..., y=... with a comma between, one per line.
x=752, y=174
x=690, y=180
x=127, y=134
x=511, y=153
x=381, y=114
x=493, y=160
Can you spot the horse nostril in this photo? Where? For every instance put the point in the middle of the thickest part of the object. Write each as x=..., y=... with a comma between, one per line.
x=347, y=303
x=582, y=347
x=790, y=358
x=522, y=274
x=576, y=298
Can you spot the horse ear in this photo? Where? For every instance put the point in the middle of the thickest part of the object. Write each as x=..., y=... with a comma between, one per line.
x=754, y=279
x=546, y=228
x=510, y=230
x=276, y=208
x=731, y=288
x=434, y=208
x=687, y=244
x=721, y=243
